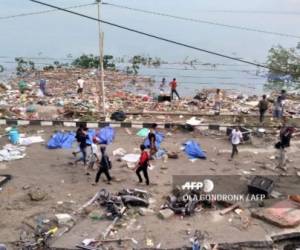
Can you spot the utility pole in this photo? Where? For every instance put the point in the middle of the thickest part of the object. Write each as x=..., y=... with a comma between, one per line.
x=101, y=66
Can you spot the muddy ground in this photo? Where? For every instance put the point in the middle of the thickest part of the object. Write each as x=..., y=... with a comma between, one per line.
x=51, y=171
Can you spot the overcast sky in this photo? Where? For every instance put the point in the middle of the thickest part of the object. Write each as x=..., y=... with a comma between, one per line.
x=58, y=34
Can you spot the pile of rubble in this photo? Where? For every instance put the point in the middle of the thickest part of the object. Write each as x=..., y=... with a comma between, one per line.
x=136, y=94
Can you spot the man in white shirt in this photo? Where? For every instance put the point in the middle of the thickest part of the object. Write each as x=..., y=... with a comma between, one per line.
x=80, y=85
x=236, y=138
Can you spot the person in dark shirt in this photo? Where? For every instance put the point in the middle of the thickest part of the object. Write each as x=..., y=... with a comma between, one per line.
x=104, y=167
x=142, y=165
x=285, y=135
x=263, y=106
x=152, y=140
x=81, y=138
x=77, y=136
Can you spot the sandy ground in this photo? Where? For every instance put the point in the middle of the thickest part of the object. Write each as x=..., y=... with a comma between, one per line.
x=50, y=170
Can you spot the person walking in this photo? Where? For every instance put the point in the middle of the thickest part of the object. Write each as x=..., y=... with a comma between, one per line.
x=77, y=136
x=278, y=108
x=236, y=138
x=43, y=83
x=285, y=136
x=173, y=86
x=82, y=138
x=263, y=106
x=80, y=86
x=152, y=140
x=104, y=167
x=142, y=165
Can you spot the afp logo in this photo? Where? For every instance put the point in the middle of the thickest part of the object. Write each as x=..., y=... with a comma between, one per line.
x=207, y=185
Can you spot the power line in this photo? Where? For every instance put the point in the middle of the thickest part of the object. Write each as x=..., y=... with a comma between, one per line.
x=269, y=12
x=158, y=37
x=43, y=11
x=203, y=21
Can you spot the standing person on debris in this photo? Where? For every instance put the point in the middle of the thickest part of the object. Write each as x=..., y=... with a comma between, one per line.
x=285, y=136
x=173, y=86
x=82, y=139
x=142, y=165
x=263, y=106
x=236, y=138
x=283, y=99
x=104, y=167
x=162, y=85
x=43, y=83
x=80, y=85
x=278, y=108
x=218, y=100
x=152, y=140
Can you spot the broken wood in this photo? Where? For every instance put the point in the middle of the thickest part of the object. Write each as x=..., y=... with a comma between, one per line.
x=91, y=201
x=229, y=209
x=111, y=226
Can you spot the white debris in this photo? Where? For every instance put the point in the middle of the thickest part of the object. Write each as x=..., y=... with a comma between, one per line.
x=119, y=152
x=25, y=141
x=63, y=219
x=12, y=152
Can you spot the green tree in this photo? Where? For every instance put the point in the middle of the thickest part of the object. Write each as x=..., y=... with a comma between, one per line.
x=24, y=66
x=91, y=61
x=1, y=68
x=282, y=61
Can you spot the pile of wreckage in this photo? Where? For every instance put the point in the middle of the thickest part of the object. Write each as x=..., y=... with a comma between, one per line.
x=133, y=92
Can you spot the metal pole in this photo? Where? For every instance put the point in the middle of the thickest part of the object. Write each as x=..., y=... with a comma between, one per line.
x=101, y=66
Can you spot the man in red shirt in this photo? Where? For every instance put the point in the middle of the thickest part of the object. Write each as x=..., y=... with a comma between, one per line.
x=142, y=165
x=173, y=86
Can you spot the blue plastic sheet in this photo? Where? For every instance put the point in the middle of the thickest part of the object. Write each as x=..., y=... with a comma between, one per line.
x=159, y=139
x=193, y=150
x=106, y=135
x=61, y=140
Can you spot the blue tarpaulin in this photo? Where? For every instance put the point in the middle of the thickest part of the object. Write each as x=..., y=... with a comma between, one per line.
x=159, y=138
x=106, y=135
x=61, y=140
x=193, y=150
